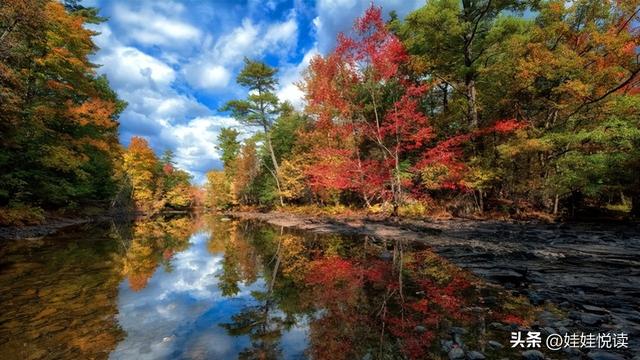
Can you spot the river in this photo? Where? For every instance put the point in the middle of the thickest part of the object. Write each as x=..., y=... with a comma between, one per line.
x=218, y=288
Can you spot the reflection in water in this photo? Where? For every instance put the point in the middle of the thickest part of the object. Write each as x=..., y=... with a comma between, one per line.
x=212, y=289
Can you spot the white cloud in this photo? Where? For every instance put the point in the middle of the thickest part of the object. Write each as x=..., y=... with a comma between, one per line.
x=156, y=24
x=195, y=143
x=130, y=68
x=212, y=70
x=289, y=77
x=205, y=75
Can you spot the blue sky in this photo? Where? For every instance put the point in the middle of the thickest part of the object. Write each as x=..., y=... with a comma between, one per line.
x=175, y=62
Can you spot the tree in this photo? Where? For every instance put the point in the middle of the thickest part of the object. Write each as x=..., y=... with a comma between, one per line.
x=375, y=101
x=261, y=106
x=141, y=166
x=247, y=167
x=220, y=194
x=452, y=41
x=58, y=118
x=575, y=81
x=229, y=146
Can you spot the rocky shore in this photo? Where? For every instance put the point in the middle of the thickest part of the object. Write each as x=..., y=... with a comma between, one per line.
x=36, y=231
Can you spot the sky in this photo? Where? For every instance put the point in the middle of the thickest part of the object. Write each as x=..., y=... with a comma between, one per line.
x=175, y=62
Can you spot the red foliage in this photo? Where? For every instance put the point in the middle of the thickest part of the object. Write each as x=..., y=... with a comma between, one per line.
x=450, y=151
x=514, y=319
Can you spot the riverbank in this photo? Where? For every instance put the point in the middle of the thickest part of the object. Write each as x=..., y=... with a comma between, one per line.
x=589, y=270
x=48, y=227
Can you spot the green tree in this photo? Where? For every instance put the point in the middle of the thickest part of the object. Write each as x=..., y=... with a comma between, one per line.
x=453, y=40
x=260, y=108
x=229, y=146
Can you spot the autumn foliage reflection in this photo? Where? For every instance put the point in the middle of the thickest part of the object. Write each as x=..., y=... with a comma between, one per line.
x=153, y=242
x=357, y=296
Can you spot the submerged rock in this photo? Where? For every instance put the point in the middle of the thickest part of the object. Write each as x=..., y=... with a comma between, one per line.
x=603, y=355
x=532, y=355
x=475, y=355
x=456, y=354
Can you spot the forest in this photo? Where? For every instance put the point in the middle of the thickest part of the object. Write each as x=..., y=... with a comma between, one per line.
x=59, y=149
x=505, y=108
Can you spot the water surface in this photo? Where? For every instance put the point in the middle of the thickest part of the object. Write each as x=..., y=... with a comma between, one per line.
x=211, y=288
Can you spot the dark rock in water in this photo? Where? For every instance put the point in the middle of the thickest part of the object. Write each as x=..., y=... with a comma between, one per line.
x=499, y=326
x=458, y=330
x=572, y=353
x=495, y=345
x=446, y=345
x=458, y=339
x=535, y=298
x=591, y=320
x=456, y=354
x=575, y=315
x=475, y=355
x=595, y=309
x=603, y=355
x=563, y=323
x=532, y=355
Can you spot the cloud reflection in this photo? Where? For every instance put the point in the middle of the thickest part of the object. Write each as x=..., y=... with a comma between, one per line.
x=177, y=314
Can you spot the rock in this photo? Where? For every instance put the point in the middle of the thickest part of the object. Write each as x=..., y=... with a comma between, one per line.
x=495, y=345
x=532, y=355
x=475, y=355
x=563, y=323
x=549, y=330
x=535, y=298
x=446, y=345
x=502, y=327
x=458, y=330
x=456, y=354
x=419, y=329
x=595, y=309
x=591, y=319
x=458, y=339
x=603, y=355
x=572, y=353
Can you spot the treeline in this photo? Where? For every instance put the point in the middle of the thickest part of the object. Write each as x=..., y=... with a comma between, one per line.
x=155, y=184
x=58, y=119
x=59, y=145
x=516, y=107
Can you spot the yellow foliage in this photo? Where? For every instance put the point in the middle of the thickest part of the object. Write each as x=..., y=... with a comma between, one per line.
x=292, y=178
x=413, y=209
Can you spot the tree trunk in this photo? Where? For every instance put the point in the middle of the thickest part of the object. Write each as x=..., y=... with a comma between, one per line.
x=276, y=168
x=472, y=106
x=470, y=75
